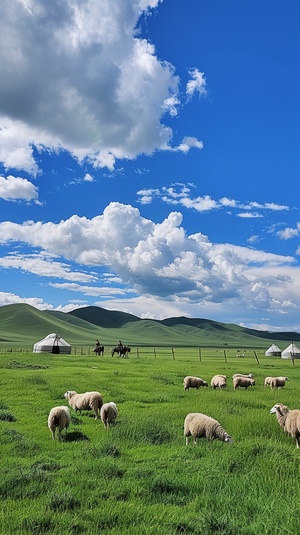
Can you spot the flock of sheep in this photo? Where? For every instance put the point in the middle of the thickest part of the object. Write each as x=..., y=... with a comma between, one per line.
x=60, y=417
x=196, y=425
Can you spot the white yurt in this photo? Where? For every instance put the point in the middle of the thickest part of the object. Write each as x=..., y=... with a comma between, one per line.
x=273, y=351
x=53, y=343
x=291, y=351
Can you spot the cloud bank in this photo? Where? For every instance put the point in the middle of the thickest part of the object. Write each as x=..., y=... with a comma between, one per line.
x=94, y=87
x=156, y=260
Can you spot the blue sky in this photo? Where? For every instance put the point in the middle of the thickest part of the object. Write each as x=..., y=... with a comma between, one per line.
x=149, y=158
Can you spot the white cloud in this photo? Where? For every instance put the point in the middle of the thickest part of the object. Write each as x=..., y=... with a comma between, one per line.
x=288, y=232
x=196, y=84
x=180, y=194
x=159, y=261
x=88, y=178
x=96, y=291
x=17, y=188
x=44, y=267
x=250, y=215
x=76, y=76
x=7, y=298
x=187, y=144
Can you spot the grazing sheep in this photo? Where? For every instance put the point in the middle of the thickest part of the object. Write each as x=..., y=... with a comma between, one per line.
x=278, y=382
x=267, y=381
x=59, y=417
x=108, y=413
x=218, y=381
x=249, y=375
x=200, y=425
x=85, y=402
x=289, y=420
x=244, y=382
x=193, y=382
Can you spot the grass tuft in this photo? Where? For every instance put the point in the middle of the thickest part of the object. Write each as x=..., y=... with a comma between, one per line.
x=7, y=416
x=25, y=366
x=63, y=502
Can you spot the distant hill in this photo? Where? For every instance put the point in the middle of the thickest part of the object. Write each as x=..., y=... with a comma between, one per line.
x=104, y=318
x=23, y=325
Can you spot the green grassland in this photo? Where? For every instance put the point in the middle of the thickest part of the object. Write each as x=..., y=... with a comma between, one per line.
x=139, y=477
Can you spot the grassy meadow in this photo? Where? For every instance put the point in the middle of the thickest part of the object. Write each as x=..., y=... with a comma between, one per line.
x=139, y=477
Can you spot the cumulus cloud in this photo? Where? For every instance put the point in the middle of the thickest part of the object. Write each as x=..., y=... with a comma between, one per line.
x=76, y=75
x=17, y=188
x=288, y=232
x=158, y=260
x=7, y=298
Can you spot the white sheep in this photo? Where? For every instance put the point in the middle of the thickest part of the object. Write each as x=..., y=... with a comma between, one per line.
x=85, y=402
x=59, y=417
x=200, y=425
x=193, y=382
x=108, y=413
x=218, y=381
x=267, y=381
x=278, y=382
x=289, y=420
x=243, y=382
x=246, y=375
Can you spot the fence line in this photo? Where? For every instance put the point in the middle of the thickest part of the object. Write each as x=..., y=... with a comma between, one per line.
x=176, y=353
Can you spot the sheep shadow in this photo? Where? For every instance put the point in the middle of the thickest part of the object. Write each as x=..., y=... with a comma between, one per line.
x=76, y=436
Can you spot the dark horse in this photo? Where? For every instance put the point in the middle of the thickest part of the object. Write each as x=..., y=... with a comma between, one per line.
x=99, y=350
x=122, y=351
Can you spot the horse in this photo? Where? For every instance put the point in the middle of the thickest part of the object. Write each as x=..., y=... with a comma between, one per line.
x=122, y=351
x=99, y=350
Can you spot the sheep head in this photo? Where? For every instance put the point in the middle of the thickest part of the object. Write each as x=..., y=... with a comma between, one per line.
x=69, y=394
x=281, y=409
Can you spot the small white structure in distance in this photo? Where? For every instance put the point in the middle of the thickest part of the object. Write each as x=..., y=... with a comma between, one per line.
x=53, y=343
x=273, y=351
x=291, y=352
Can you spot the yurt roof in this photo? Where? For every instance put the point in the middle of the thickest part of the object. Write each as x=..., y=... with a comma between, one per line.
x=291, y=350
x=273, y=349
x=53, y=338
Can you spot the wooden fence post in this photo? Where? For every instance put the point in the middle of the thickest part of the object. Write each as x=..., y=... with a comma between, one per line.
x=199, y=351
x=173, y=353
x=256, y=357
x=225, y=356
x=154, y=352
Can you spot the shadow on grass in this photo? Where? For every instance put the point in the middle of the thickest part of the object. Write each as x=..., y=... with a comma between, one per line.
x=76, y=436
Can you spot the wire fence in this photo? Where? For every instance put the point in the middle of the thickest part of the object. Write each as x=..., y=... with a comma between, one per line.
x=175, y=353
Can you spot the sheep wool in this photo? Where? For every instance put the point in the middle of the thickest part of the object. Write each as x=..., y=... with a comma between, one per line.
x=289, y=420
x=193, y=382
x=108, y=414
x=243, y=382
x=198, y=425
x=89, y=401
x=218, y=381
x=248, y=375
x=278, y=382
x=267, y=381
x=59, y=417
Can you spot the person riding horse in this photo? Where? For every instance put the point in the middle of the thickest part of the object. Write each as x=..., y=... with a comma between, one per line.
x=98, y=349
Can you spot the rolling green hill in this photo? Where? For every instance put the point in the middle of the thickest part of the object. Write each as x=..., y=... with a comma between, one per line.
x=23, y=325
